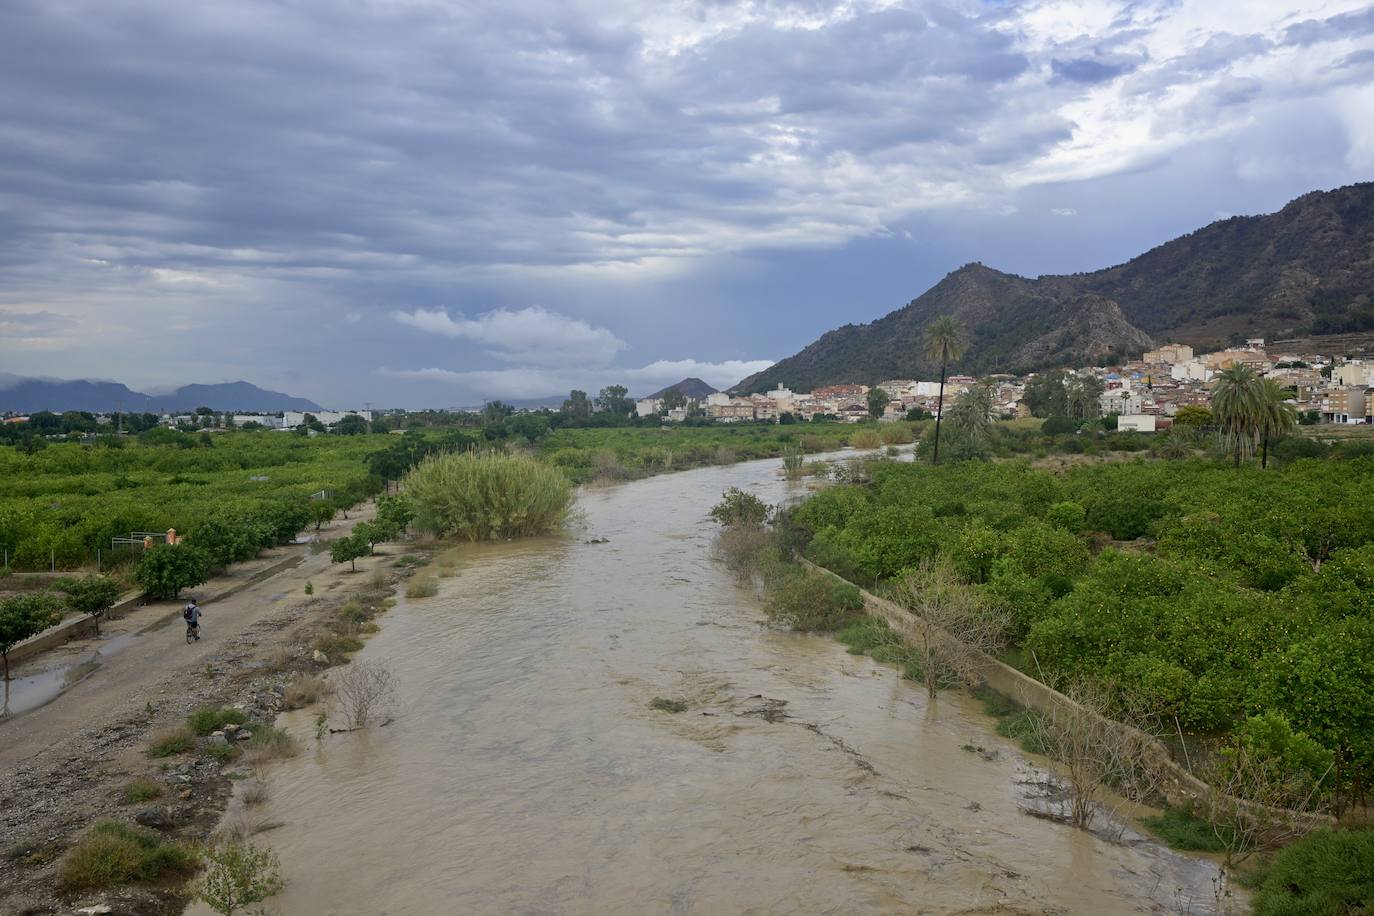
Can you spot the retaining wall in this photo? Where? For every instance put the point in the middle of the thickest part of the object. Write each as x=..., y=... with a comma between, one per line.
x=1176, y=784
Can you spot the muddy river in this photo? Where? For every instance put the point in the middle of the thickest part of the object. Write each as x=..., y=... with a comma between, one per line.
x=525, y=772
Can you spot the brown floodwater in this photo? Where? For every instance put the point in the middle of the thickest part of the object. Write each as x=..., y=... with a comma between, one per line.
x=525, y=772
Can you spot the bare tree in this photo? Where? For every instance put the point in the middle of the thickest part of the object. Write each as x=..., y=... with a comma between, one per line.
x=363, y=691
x=959, y=624
x=1101, y=760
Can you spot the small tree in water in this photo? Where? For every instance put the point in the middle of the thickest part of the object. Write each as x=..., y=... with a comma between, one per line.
x=736, y=507
x=238, y=874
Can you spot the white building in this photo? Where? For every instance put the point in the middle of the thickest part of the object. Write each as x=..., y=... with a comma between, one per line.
x=783, y=398
x=1121, y=401
x=647, y=407
x=1191, y=371
x=293, y=418
x=1136, y=423
x=1353, y=374
x=267, y=420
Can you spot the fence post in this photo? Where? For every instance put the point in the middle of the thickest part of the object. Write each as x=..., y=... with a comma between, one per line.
x=52, y=561
x=97, y=559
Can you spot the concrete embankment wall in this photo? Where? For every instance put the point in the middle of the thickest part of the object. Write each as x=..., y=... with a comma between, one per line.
x=1176, y=784
x=82, y=626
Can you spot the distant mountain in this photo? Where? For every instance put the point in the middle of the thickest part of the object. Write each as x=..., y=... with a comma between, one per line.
x=27, y=395
x=232, y=396
x=693, y=388
x=1306, y=270
x=30, y=395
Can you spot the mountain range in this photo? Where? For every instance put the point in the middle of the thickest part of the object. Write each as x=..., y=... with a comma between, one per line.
x=29, y=395
x=1307, y=270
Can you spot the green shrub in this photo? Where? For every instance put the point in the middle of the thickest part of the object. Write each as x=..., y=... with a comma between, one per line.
x=869, y=635
x=1182, y=829
x=487, y=496
x=738, y=508
x=866, y=438
x=169, y=741
x=1067, y=515
x=338, y=645
x=806, y=600
x=208, y=719
x=142, y=789
x=895, y=434
x=237, y=875
x=166, y=569
x=113, y=854
x=1326, y=872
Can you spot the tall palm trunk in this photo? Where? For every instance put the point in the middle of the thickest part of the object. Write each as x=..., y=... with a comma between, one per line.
x=1264, y=453
x=939, y=413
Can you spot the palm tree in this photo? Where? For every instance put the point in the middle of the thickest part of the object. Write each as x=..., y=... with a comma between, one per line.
x=1238, y=406
x=945, y=341
x=1277, y=416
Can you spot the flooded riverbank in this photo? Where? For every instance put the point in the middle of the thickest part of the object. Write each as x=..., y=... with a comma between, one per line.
x=526, y=772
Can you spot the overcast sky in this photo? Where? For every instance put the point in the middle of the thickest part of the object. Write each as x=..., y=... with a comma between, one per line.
x=430, y=203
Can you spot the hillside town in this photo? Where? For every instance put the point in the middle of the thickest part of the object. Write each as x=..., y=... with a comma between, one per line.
x=1143, y=394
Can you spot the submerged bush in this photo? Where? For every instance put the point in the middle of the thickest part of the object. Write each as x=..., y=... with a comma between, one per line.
x=807, y=600
x=488, y=496
x=738, y=508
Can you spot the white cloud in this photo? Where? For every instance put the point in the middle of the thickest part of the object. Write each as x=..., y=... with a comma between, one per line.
x=1063, y=211
x=531, y=335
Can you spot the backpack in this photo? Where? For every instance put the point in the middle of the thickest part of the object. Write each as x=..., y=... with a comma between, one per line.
x=186, y=614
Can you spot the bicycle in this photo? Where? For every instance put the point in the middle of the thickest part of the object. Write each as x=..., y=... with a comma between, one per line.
x=192, y=633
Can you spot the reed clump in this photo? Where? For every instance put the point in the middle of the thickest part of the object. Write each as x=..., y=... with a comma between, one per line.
x=482, y=497
x=866, y=438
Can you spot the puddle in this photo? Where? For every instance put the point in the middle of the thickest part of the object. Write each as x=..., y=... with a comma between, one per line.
x=26, y=693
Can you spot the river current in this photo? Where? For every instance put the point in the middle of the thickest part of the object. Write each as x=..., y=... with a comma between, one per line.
x=525, y=772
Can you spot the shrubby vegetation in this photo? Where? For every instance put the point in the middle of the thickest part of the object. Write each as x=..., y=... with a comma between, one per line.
x=113, y=854
x=485, y=496
x=1209, y=594
x=244, y=492
x=589, y=454
x=1327, y=872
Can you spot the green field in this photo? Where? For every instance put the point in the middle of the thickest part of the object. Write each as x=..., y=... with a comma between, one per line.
x=63, y=503
x=69, y=499
x=1191, y=589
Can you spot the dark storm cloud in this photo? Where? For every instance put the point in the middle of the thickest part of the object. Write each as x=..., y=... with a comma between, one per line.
x=189, y=172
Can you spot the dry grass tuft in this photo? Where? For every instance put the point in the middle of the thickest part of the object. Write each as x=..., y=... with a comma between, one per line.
x=303, y=691
x=422, y=587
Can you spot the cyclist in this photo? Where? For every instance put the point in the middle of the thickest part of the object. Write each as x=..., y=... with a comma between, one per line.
x=192, y=616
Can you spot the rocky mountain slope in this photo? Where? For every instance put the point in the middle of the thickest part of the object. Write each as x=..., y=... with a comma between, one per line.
x=1305, y=270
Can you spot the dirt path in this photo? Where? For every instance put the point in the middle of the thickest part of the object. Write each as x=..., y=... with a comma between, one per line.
x=65, y=764
x=159, y=649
